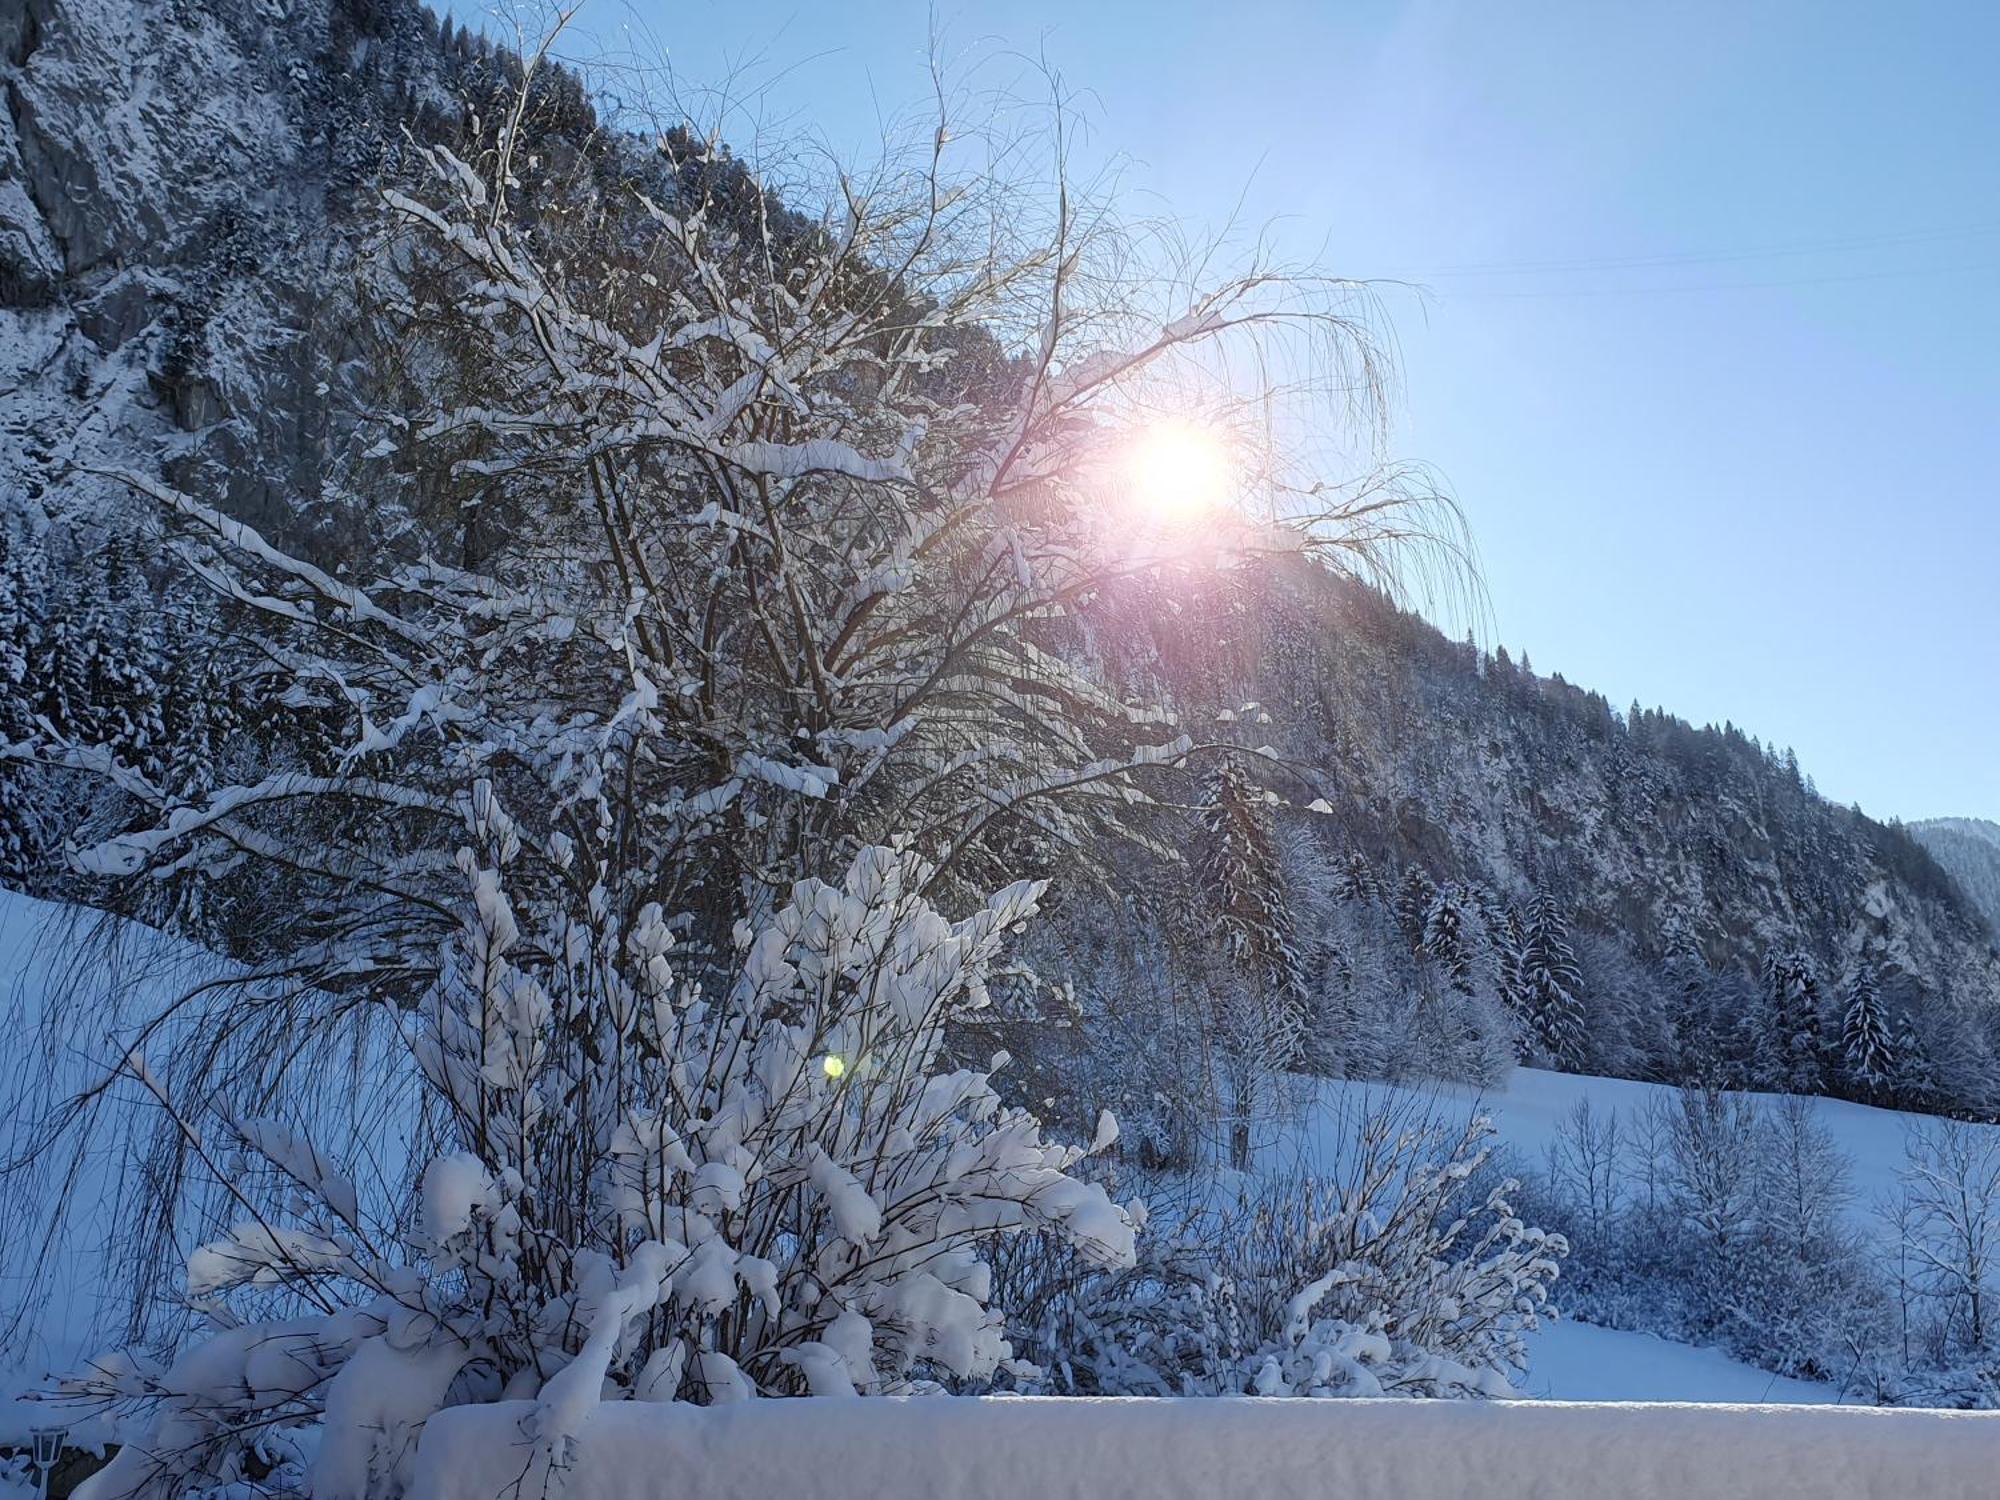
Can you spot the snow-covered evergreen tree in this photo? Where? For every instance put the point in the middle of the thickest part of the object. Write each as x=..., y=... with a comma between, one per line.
x=1866, y=1043
x=1551, y=986
x=1415, y=894
x=1261, y=1005
x=1792, y=993
x=1690, y=984
x=1240, y=873
x=1358, y=880
x=21, y=837
x=1447, y=937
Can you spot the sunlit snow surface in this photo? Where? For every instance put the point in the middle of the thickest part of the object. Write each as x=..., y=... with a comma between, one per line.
x=1576, y=1362
x=1530, y=1111
x=39, y=969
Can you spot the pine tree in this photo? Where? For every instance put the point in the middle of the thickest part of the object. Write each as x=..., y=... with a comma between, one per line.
x=1917, y=1084
x=1358, y=880
x=1693, y=1026
x=1551, y=985
x=1246, y=884
x=1865, y=1040
x=20, y=639
x=1413, y=905
x=1793, y=991
x=1446, y=939
x=1263, y=1019
x=1506, y=934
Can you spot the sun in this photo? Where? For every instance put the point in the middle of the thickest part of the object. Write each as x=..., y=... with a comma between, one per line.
x=1179, y=471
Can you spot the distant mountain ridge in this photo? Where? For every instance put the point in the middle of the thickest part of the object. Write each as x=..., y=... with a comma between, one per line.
x=1476, y=767
x=1969, y=851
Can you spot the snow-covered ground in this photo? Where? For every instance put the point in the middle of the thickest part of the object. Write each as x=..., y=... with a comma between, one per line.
x=88, y=975
x=1528, y=1113
x=1577, y=1362
x=39, y=975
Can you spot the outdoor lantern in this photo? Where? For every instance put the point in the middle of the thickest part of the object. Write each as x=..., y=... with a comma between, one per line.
x=48, y=1446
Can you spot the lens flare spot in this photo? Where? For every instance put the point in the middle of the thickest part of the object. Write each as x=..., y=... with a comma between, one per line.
x=1179, y=471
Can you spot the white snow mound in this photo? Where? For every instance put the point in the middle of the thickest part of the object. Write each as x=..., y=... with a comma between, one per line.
x=1000, y=1448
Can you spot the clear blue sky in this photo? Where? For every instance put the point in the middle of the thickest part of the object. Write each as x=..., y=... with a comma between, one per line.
x=1741, y=485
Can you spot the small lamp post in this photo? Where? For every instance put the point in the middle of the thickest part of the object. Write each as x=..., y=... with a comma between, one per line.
x=48, y=1447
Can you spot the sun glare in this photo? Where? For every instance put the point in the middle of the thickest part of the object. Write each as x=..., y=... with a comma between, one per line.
x=1179, y=472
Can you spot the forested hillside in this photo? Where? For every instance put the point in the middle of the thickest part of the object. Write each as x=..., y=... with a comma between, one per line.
x=1689, y=908
x=203, y=293
x=1969, y=851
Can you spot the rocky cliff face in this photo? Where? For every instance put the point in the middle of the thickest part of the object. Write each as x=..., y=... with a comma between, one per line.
x=180, y=185
x=1969, y=851
x=1481, y=769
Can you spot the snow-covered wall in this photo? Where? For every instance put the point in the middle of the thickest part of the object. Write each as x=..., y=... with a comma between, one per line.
x=1051, y=1449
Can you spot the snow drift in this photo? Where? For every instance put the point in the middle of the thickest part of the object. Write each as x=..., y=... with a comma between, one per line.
x=1051, y=1448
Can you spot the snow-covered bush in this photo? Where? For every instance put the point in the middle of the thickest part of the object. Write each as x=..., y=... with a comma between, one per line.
x=1400, y=1270
x=1705, y=1217
x=645, y=1191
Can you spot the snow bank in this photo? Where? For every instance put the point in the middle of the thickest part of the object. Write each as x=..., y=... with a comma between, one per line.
x=1052, y=1448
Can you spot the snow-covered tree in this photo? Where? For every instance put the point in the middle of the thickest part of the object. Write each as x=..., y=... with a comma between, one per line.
x=646, y=1191
x=1506, y=934
x=1792, y=992
x=1398, y=1270
x=1239, y=871
x=1803, y=1179
x=1691, y=991
x=1714, y=1164
x=1415, y=894
x=1950, y=1217
x=20, y=638
x=1549, y=997
x=1261, y=1001
x=1448, y=939
x=1358, y=880
x=1866, y=1043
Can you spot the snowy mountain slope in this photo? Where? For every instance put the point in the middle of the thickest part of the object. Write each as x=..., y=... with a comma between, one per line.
x=182, y=189
x=1572, y=1361
x=178, y=293
x=1479, y=769
x=1969, y=850
x=1531, y=1110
